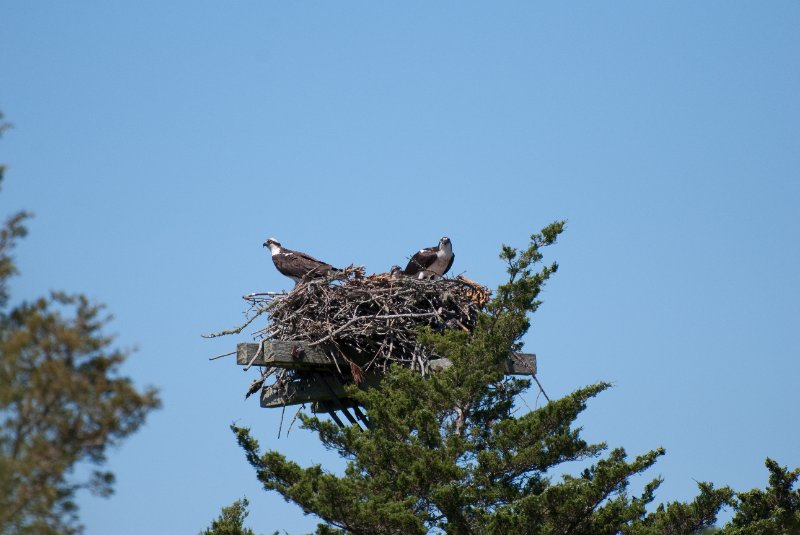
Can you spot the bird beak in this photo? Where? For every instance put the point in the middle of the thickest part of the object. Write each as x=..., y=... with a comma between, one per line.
x=265, y=244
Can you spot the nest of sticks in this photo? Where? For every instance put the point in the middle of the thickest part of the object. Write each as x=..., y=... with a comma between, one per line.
x=363, y=323
x=370, y=321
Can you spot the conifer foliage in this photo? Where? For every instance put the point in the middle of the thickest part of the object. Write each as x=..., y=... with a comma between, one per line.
x=773, y=510
x=231, y=520
x=451, y=454
x=62, y=401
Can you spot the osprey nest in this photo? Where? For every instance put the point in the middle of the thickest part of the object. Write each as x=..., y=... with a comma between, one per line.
x=371, y=321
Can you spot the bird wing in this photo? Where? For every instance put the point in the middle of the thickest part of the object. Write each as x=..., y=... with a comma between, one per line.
x=449, y=264
x=290, y=265
x=298, y=265
x=310, y=259
x=421, y=261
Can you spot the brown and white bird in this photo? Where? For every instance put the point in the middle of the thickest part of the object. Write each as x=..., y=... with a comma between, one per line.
x=296, y=265
x=396, y=273
x=431, y=262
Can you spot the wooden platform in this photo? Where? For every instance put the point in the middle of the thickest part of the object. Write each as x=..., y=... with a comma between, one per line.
x=323, y=386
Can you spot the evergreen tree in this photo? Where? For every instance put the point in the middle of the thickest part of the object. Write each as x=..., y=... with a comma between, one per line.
x=449, y=453
x=775, y=510
x=231, y=520
x=62, y=401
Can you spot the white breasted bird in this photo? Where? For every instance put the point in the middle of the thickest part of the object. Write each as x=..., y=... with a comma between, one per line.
x=296, y=265
x=431, y=262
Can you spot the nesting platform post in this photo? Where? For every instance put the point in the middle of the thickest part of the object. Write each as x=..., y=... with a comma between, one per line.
x=323, y=385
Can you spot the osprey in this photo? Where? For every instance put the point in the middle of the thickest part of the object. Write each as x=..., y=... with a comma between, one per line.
x=297, y=265
x=431, y=262
x=396, y=273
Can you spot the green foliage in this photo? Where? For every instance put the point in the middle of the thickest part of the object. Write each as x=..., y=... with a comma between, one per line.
x=677, y=518
x=449, y=454
x=13, y=230
x=9, y=234
x=62, y=402
x=231, y=520
x=775, y=510
x=452, y=454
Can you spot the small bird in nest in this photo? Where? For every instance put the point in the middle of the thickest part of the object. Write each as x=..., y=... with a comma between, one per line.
x=396, y=273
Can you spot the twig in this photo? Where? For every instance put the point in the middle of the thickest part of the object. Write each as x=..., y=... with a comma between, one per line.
x=289, y=429
x=220, y=356
x=540, y=387
x=388, y=316
x=263, y=294
x=259, y=352
x=280, y=425
x=238, y=329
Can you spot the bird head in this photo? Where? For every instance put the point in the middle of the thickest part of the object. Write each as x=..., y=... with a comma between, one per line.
x=272, y=243
x=444, y=243
x=396, y=272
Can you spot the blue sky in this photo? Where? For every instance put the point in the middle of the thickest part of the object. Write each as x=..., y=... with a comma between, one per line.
x=160, y=144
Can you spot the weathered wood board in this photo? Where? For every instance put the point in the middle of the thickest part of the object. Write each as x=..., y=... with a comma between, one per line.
x=295, y=355
x=301, y=355
x=516, y=364
x=324, y=385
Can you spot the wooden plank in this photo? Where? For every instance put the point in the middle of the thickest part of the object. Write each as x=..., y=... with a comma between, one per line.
x=296, y=392
x=296, y=355
x=361, y=416
x=517, y=364
x=521, y=364
x=328, y=407
x=300, y=355
x=310, y=390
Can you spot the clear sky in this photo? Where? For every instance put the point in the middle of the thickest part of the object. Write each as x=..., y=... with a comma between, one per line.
x=160, y=143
